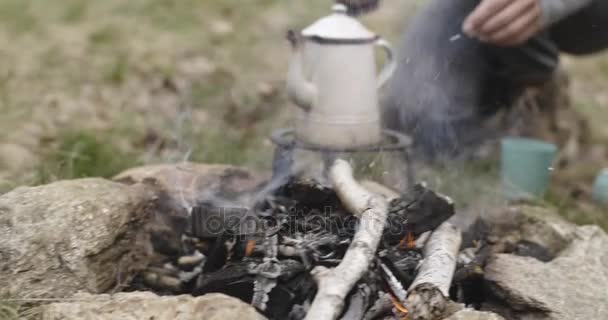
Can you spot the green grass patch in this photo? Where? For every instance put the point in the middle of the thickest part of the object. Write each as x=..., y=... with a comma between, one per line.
x=212, y=91
x=164, y=14
x=106, y=35
x=467, y=183
x=74, y=11
x=8, y=311
x=604, y=67
x=14, y=310
x=576, y=211
x=83, y=154
x=117, y=70
x=17, y=16
x=231, y=146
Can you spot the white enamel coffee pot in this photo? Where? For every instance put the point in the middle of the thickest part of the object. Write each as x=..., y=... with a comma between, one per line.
x=333, y=79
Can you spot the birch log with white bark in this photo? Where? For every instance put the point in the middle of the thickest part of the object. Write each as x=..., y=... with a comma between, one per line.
x=428, y=294
x=333, y=285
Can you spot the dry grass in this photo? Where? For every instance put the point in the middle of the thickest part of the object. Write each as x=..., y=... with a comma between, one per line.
x=159, y=78
x=15, y=310
x=162, y=78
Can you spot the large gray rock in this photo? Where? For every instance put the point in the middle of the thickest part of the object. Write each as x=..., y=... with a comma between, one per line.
x=469, y=314
x=189, y=183
x=545, y=227
x=572, y=286
x=145, y=305
x=68, y=236
x=536, y=224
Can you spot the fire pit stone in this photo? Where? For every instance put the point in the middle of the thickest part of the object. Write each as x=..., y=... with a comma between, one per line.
x=188, y=183
x=470, y=314
x=525, y=263
x=571, y=286
x=68, y=236
x=146, y=305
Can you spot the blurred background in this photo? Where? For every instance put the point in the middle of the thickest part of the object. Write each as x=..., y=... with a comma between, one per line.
x=90, y=88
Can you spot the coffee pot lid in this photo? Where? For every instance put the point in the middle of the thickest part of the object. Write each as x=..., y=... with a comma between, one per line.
x=339, y=26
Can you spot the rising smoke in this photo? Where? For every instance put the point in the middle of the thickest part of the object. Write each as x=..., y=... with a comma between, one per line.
x=436, y=94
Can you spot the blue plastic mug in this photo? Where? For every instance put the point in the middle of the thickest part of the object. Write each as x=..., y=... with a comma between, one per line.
x=600, y=188
x=526, y=166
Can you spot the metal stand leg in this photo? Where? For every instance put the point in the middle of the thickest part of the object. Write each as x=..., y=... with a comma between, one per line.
x=282, y=162
x=409, y=168
x=329, y=157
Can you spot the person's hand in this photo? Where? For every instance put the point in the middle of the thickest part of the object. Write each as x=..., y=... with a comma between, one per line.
x=504, y=22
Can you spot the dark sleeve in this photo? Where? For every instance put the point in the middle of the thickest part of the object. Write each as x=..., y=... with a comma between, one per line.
x=357, y=7
x=556, y=10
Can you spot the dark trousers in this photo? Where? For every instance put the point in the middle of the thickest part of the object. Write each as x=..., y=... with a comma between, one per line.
x=447, y=84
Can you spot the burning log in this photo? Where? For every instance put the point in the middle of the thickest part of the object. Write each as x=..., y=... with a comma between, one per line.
x=380, y=189
x=428, y=294
x=372, y=210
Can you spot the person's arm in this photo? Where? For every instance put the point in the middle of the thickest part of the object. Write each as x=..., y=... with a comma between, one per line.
x=513, y=22
x=556, y=10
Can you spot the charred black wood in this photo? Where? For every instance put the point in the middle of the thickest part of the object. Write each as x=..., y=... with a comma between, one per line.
x=360, y=300
x=403, y=263
x=531, y=249
x=426, y=209
x=478, y=231
x=298, y=312
x=421, y=209
x=227, y=249
x=309, y=193
x=166, y=242
x=294, y=285
x=475, y=265
x=469, y=286
x=282, y=300
x=381, y=308
x=233, y=280
x=397, y=226
x=218, y=253
x=210, y=221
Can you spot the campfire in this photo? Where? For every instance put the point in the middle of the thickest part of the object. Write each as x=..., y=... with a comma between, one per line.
x=302, y=249
x=346, y=250
x=329, y=246
x=312, y=251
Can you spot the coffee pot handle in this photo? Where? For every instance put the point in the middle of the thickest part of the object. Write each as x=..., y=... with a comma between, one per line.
x=391, y=64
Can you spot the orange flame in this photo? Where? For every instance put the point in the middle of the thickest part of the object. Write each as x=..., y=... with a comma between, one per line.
x=408, y=241
x=401, y=308
x=249, y=248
